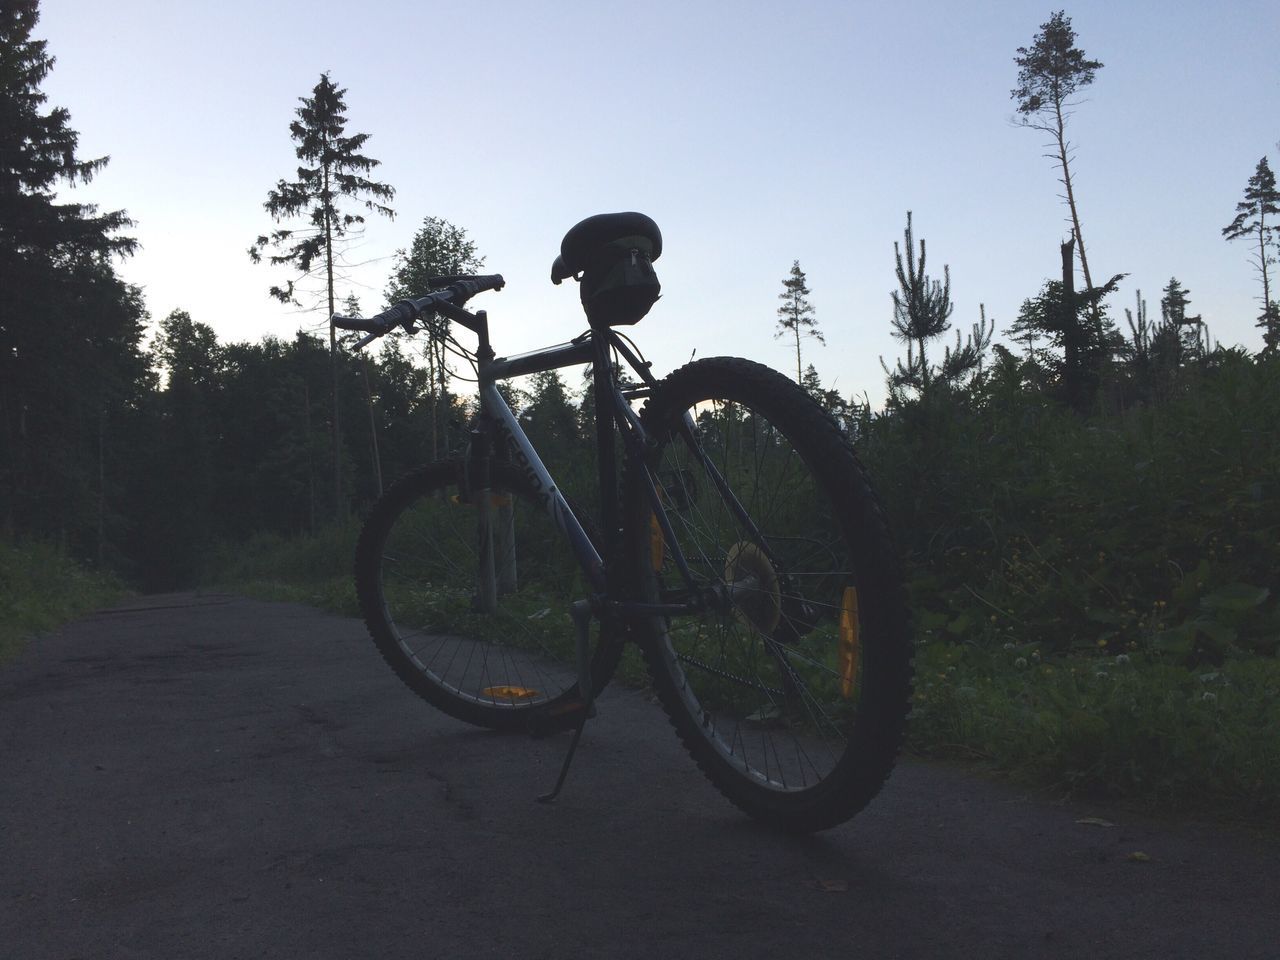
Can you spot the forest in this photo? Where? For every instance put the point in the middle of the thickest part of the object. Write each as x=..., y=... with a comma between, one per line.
x=1088, y=507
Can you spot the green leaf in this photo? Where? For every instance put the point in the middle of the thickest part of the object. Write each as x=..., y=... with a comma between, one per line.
x=1219, y=633
x=928, y=620
x=1104, y=616
x=1179, y=641
x=1235, y=598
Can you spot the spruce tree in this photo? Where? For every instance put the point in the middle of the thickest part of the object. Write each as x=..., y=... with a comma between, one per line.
x=334, y=174
x=1050, y=74
x=71, y=369
x=37, y=156
x=796, y=315
x=1173, y=312
x=1261, y=200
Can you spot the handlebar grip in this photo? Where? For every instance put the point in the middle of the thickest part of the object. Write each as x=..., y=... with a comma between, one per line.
x=403, y=312
x=354, y=323
x=467, y=287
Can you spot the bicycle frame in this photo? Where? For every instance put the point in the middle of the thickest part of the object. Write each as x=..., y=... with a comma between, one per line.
x=613, y=415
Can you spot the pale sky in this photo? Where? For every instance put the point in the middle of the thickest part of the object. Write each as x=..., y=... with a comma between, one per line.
x=754, y=133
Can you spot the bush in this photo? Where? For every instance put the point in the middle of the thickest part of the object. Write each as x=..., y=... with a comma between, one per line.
x=1093, y=597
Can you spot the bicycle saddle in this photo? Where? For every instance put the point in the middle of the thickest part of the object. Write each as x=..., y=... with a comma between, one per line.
x=584, y=240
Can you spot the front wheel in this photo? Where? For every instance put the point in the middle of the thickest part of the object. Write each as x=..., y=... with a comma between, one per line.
x=790, y=684
x=501, y=657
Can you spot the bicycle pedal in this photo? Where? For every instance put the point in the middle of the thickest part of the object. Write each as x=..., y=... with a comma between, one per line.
x=561, y=717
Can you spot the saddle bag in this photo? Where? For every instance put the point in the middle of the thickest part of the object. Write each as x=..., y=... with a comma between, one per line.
x=619, y=284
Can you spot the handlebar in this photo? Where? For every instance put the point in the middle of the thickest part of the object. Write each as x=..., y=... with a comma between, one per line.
x=404, y=313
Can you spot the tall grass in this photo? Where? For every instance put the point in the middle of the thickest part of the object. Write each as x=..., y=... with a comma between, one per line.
x=40, y=588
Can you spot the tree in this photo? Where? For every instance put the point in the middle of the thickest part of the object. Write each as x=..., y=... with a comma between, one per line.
x=921, y=308
x=796, y=315
x=922, y=312
x=1087, y=342
x=551, y=421
x=439, y=249
x=1050, y=74
x=71, y=368
x=1186, y=329
x=184, y=456
x=335, y=174
x=37, y=153
x=1260, y=200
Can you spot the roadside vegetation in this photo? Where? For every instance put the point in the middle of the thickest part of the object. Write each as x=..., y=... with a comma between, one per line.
x=40, y=588
x=1095, y=597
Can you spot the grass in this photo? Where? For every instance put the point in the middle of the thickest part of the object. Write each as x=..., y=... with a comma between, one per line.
x=41, y=588
x=312, y=570
x=1133, y=727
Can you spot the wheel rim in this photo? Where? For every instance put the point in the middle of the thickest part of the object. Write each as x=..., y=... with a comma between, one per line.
x=518, y=655
x=769, y=671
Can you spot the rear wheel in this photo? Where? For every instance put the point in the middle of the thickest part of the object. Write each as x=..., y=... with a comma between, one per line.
x=506, y=664
x=791, y=684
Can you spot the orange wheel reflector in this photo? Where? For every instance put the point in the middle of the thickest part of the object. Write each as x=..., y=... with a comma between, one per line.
x=495, y=500
x=848, y=641
x=509, y=693
x=656, y=547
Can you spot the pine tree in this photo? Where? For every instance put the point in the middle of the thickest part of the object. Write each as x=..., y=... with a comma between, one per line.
x=1261, y=199
x=1050, y=74
x=922, y=312
x=796, y=315
x=336, y=174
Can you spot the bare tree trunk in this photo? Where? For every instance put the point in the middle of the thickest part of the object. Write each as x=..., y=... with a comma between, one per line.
x=102, y=486
x=373, y=430
x=1077, y=235
x=1262, y=261
x=1072, y=345
x=311, y=472
x=335, y=432
x=431, y=393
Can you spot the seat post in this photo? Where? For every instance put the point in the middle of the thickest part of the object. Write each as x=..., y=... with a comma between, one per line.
x=602, y=380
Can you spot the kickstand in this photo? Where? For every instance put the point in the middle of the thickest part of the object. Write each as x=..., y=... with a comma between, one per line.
x=581, y=612
x=568, y=759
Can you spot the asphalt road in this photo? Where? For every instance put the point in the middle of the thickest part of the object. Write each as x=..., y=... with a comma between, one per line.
x=213, y=777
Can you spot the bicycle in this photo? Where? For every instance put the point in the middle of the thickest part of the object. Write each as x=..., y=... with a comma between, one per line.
x=739, y=544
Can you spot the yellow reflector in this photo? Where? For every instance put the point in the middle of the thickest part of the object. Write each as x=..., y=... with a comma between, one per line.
x=848, y=641
x=509, y=693
x=656, y=546
x=495, y=500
